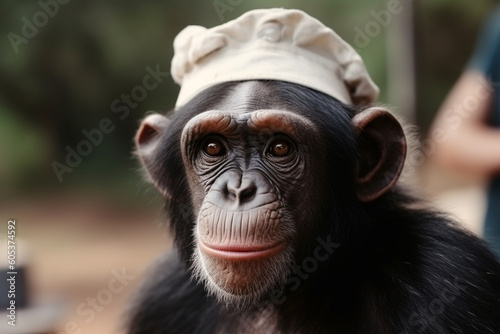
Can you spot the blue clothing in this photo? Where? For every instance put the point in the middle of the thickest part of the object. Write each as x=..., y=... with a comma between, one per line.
x=486, y=59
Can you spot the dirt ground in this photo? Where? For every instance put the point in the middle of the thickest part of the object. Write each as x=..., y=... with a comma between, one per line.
x=77, y=247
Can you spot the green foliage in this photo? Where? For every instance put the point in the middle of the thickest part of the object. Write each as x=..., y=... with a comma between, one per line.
x=22, y=147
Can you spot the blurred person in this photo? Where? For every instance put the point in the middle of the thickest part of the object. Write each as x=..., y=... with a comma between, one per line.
x=466, y=131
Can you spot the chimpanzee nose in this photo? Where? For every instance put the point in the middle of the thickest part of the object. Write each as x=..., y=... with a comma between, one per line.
x=235, y=190
x=243, y=190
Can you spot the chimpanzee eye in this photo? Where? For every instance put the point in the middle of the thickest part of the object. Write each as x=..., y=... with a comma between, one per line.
x=214, y=147
x=279, y=148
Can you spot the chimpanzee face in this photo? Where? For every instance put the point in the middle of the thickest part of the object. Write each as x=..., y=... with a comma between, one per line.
x=252, y=171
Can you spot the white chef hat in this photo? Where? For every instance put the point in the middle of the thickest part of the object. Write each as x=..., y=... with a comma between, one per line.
x=273, y=44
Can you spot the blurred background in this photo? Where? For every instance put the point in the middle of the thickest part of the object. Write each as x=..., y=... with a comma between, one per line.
x=72, y=94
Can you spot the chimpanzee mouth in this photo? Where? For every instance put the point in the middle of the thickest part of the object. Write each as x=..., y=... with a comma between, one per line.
x=244, y=252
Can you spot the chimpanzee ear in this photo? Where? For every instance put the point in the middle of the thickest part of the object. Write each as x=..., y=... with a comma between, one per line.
x=382, y=148
x=147, y=139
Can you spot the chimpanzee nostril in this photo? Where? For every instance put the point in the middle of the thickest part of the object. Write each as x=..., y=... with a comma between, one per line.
x=229, y=193
x=248, y=193
x=243, y=191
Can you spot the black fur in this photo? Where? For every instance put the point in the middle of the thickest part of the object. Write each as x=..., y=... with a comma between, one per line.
x=399, y=268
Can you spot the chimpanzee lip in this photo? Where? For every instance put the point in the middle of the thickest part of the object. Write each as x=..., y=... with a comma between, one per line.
x=242, y=252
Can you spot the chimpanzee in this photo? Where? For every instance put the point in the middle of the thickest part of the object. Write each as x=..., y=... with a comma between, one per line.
x=279, y=175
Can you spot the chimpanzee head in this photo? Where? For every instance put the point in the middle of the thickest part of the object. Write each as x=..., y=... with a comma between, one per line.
x=255, y=170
